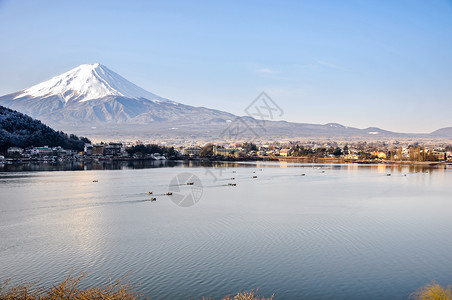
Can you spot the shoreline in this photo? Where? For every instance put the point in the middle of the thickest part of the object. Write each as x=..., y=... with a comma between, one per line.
x=363, y=162
x=103, y=160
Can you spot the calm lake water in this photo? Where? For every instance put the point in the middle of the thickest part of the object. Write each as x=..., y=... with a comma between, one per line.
x=336, y=232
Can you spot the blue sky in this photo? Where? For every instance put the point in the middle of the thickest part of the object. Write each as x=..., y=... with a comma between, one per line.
x=359, y=63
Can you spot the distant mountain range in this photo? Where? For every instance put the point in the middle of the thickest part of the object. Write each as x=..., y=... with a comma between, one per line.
x=443, y=132
x=93, y=100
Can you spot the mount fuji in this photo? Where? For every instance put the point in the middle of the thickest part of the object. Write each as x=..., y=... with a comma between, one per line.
x=94, y=101
x=88, y=82
x=93, y=95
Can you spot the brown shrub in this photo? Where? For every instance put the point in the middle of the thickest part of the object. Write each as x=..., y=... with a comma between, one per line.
x=433, y=291
x=69, y=289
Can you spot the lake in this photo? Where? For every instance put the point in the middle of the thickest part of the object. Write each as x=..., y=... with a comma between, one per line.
x=299, y=231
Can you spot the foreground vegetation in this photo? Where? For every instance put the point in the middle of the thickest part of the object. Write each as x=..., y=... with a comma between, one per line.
x=114, y=290
x=433, y=291
x=70, y=289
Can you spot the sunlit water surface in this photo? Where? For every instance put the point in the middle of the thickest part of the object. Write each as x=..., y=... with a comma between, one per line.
x=336, y=232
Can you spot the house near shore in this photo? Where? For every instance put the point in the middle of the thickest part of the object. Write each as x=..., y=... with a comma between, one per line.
x=44, y=151
x=98, y=149
x=225, y=151
x=439, y=155
x=114, y=149
x=285, y=152
x=110, y=149
x=88, y=149
x=192, y=151
x=14, y=151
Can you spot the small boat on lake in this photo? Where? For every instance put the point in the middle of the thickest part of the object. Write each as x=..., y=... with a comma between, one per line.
x=190, y=183
x=153, y=199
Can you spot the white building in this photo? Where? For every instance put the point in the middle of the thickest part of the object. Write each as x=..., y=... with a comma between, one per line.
x=14, y=151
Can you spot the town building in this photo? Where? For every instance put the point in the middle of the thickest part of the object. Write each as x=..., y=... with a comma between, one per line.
x=98, y=149
x=88, y=149
x=12, y=151
x=224, y=151
x=114, y=149
x=192, y=151
x=285, y=152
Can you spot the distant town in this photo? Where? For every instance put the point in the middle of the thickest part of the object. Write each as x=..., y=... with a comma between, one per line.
x=310, y=151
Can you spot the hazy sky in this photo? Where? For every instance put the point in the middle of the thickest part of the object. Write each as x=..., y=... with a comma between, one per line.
x=359, y=63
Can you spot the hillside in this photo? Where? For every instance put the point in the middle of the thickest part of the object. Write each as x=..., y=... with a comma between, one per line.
x=443, y=132
x=19, y=130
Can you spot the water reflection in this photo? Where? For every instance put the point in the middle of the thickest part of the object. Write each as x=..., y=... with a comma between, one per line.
x=87, y=165
x=146, y=164
x=342, y=231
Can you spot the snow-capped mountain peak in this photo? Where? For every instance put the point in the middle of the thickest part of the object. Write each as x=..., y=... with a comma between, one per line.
x=87, y=82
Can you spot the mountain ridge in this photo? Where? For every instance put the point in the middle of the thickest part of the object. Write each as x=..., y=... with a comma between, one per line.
x=93, y=100
x=443, y=132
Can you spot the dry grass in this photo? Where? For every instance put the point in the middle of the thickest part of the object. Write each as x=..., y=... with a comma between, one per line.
x=244, y=296
x=433, y=291
x=115, y=290
x=69, y=290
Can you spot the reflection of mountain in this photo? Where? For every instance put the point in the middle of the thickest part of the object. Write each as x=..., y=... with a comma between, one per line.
x=95, y=101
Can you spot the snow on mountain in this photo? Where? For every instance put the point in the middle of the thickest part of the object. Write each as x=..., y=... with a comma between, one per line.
x=87, y=82
x=92, y=100
x=91, y=95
